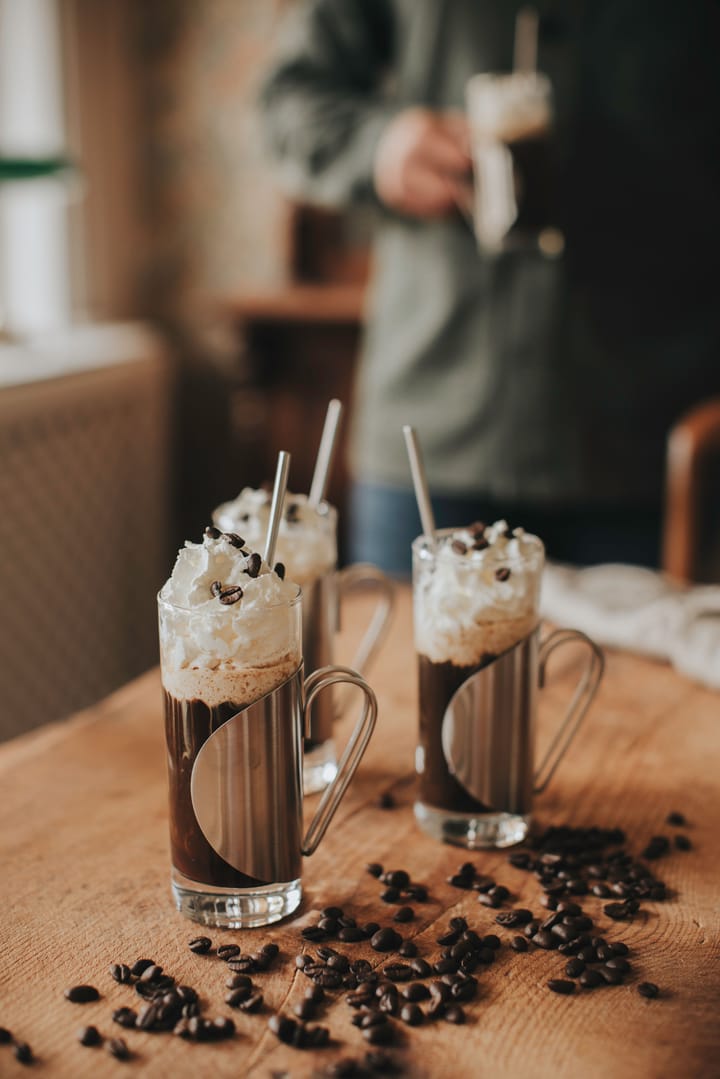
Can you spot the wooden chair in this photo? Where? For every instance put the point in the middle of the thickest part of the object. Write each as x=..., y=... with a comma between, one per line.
x=692, y=495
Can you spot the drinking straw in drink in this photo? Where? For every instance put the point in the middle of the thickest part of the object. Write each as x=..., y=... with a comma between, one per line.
x=326, y=452
x=420, y=484
x=276, y=506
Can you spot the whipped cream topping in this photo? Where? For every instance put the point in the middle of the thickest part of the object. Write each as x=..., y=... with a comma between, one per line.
x=477, y=595
x=307, y=541
x=225, y=610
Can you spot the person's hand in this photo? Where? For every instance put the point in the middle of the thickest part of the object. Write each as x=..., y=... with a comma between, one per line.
x=422, y=162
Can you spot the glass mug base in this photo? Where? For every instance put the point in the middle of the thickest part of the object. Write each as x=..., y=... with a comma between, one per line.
x=319, y=767
x=234, y=908
x=475, y=831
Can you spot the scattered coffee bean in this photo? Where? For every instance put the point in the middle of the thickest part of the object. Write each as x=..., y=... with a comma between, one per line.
x=390, y=895
x=656, y=848
x=415, y=991
x=560, y=985
x=228, y=951
x=398, y=972
x=412, y=1015
x=610, y=976
x=374, y=869
x=590, y=979
x=398, y=878
x=404, y=914
x=619, y=948
x=23, y=1053
x=350, y=935
x=682, y=842
x=124, y=1017
x=141, y=965
x=5, y=1036
x=385, y=940
x=238, y=996
x=380, y=1062
x=199, y=945
x=648, y=989
x=89, y=1036
x=151, y=973
x=382, y=1035
x=574, y=968
x=676, y=819
x=82, y=994
x=408, y=949
x=253, y=1003
x=418, y=892
x=545, y=939
x=117, y=1047
x=305, y=1009
x=454, y=1014
x=490, y=940
x=519, y=944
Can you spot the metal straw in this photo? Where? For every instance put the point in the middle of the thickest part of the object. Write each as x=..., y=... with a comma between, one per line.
x=326, y=452
x=422, y=493
x=276, y=507
x=526, y=40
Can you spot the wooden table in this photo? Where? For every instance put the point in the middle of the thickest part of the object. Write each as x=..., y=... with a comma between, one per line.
x=85, y=882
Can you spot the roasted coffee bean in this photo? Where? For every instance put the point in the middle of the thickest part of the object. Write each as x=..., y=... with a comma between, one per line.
x=382, y=1035
x=648, y=989
x=120, y=972
x=418, y=892
x=619, y=948
x=370, y=928
x=512, y=918
x=231, y=595
x=460, y=881
x=658, y=893
x=190, y=1010
x=199, y=945
x=519, y=944
x=326, y=952
x=570, y=909
x=398, y=972
x=305, y=1009
x=223, y=1027
x=618, y=963
x=23, y=1053
x=552, y=920
x=117, y=1047
x=340, y=963
x=124, y=1017
x=81, y=994
x=408, y=949
x=453, y=1013
x=238, y=996
x=242, y=964
x=385, y=940
x=489, y=900
x=531, y=928
x=676, y=819
x=351, y=935
x=565, y=933
x=415, y=991
x=390, y=895
x=228, y=951
x=421, y=967
x=658, y=845
x=544, y=939
x=588, y=954
x=380, y=1062
x=550, y=902
x=374, y=869
x=89, y=1036
x=359, y=998
x=610, y=976
x=445, y=966
x=330, y=926
x=412, y=1015
x=560, y=985
x=271, y=950
x=236, y=981
x=404, y=914
x=601, y=891
x=618, y=912
x=590, y=979
x=282, y=1027
x=147, y=1017
x=349, y=981
x=254, y=564
x=492, y=941
x=502, y=573
x=253, y=1003
x=574, y=968
x=279, y=568
x=603, y=952
x=682, y=842
x=458, y=547
x=328, y=979
x=369, y=1018
x=5, y=1036
x=464, y=990
x=345, y=1068
x=385, y=800
x=389, y=1004
x=151, y=973
x=216, y=589
x=452, y=936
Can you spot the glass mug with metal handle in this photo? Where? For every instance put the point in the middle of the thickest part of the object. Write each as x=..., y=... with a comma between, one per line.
x=480, y=667
x=235, y=710
x=307, y=548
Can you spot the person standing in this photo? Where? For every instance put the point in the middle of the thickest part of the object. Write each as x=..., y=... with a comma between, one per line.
x=542, y=388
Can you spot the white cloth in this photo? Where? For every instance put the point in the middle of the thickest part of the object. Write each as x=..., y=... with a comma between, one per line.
x=640, y=610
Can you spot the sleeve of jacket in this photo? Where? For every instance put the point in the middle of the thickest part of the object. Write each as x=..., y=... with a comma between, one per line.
x=322, y=104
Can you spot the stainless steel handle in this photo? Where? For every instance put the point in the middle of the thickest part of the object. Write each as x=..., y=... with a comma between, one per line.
x=352, y=754
x=585, y=691
x=360, y=575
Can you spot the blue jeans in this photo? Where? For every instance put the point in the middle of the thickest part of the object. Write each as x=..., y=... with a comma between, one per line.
x=383, y=522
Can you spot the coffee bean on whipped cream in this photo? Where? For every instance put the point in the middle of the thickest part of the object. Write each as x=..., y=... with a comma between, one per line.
x=279, y=569
x=231, y=595
x=254, y=564
x=458, y=547
x=234, y=539
x=212, y=532
x=502, y=573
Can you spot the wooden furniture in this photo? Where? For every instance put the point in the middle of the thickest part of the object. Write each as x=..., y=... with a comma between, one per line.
x=691, y=496
x=85, y=882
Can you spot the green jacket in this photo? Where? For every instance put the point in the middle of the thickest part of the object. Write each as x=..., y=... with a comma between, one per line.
x=526, y=377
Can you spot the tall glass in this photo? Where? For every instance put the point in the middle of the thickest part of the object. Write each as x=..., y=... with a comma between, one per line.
x=511, y=118
x=307, y=547
x=235, y=708
x=480, y=665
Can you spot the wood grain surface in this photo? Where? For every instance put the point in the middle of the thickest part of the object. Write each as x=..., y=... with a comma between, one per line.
x=85, y=884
